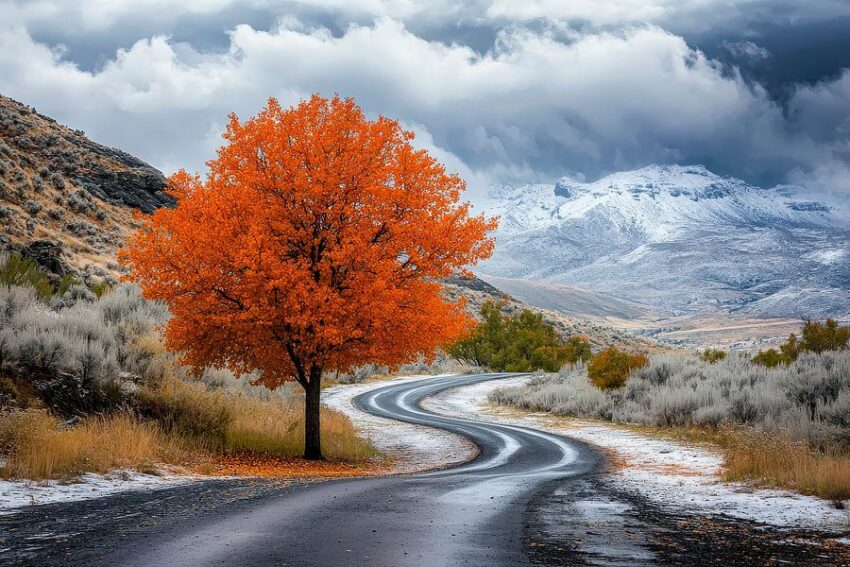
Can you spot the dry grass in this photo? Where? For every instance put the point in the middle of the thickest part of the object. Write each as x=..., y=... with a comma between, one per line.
x=773, y=460
x=227, y=422
x=768, y=460
x=188, y=424
x=38, y=448
x=276, y=427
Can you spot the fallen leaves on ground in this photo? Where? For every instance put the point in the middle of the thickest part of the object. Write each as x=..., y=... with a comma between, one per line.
x=290, y=467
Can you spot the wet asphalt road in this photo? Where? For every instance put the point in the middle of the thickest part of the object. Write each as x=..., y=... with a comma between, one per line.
x=470, y=515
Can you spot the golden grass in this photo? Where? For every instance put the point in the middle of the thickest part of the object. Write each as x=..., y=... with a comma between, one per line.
x=38, y=448
x=774, y=460
x=276, y=427
x=188, y=424
x=769, y=459
x=231, y=423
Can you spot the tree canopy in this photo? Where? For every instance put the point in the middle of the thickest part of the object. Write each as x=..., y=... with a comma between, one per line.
x=314, y=244
x=610, y=368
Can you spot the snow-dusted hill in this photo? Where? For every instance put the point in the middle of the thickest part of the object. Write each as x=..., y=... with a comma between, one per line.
x=679, y=238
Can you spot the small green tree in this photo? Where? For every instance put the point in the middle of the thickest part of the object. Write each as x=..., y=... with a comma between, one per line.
x=820, y=337
x=519, y=342
x=482, y=344
x=712, y=355
x=816, y=337
x=577, y=348
x=791, y=348
x=771, y=358
x=610, y=368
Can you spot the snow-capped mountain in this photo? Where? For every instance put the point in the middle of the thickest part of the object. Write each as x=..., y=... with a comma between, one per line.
x=679, y=238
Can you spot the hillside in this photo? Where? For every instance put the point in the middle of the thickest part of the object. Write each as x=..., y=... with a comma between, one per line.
x=599, y=332
x=681, y=240
x=66, y=201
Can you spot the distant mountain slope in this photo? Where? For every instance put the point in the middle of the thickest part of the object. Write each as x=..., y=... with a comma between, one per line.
x=574, y=302
x=65, y=200
x=681, y=239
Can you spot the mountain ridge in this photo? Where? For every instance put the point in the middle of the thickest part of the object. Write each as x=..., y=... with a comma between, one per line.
x=681, y=239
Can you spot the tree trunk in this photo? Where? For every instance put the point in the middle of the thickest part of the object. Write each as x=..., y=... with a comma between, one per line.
x=312, y=413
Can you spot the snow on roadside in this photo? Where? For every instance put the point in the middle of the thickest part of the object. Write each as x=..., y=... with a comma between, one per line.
x=415, y=448
x=678, y=476
x=21, y=493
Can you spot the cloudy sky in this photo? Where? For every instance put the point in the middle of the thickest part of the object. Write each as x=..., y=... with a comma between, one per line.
x=501, y=91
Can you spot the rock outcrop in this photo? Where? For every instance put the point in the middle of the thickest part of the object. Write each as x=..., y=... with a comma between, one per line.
x=66, y=201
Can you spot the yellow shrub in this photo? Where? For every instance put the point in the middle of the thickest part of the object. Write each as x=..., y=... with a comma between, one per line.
x=610, y=368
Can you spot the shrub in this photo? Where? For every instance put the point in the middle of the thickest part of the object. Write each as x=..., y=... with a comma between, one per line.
x=517, y=342
x=576, y=349
x=186, y=409
x=610, y=368
x=817, y=337
x=101, y=288
x=807, y=399
x=712, y=355
x=58, y=181
x=33, y=207
x=80, y=356
x=821, y=337
x=66, y=283
x=72, y=295
x=771, y=358
x=16, y=270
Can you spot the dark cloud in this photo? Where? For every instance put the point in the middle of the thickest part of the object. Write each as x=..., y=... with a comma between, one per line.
x=503, y=91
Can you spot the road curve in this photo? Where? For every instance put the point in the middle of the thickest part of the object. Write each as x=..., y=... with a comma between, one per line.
x=470, y=515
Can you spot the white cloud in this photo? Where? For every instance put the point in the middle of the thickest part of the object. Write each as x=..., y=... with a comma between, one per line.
x=537, y=105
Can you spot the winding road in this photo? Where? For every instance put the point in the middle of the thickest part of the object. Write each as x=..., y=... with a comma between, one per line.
x=469, y=515
x=528, y=497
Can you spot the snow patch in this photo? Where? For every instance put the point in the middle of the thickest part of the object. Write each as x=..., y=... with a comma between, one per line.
x=829, y=256
x=20, y=493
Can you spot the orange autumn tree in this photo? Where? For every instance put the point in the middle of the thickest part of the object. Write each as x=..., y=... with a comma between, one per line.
x=315, y=244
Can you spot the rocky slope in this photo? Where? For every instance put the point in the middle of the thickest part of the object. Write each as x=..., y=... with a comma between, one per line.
x=66, y=201
x=680, y=239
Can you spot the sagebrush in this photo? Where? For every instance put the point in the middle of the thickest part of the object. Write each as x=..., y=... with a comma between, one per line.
x=809, y=398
